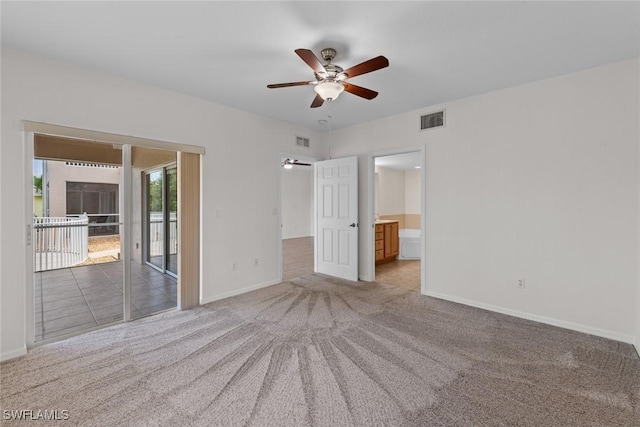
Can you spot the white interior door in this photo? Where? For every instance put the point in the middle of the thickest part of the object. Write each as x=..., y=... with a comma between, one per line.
x=337, y=218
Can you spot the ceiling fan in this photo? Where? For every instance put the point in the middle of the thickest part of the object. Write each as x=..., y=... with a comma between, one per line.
x=330, y=78
x=289, y=163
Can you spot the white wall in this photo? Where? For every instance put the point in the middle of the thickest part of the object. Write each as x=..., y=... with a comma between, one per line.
x=38, y=89
x=538, y=181
x=397, y=192
x=412, y=194
x=391, y=191
x=297, y=202
x=637, y=340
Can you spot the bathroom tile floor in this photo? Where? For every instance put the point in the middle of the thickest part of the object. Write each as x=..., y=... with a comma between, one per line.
x=401, y=273
x=297, y=255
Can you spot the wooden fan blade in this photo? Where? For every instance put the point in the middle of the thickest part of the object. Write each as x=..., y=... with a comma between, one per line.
x=312, y=60
x=367, y=66
x=317, y=102
x=301, y=164
x=360, y=91
x=277, y=85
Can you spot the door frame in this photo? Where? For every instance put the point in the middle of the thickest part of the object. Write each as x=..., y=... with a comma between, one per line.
x=29, y=150
x=304, y=158
x=29, y=130
x=371, y=214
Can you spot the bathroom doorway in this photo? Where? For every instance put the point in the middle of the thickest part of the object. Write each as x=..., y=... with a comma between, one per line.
x=398, y=219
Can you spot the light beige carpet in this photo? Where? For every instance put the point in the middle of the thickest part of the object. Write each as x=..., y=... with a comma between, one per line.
x=325, y=352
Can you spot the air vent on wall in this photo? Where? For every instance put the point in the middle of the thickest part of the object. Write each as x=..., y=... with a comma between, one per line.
x=302, y=142
x=432, y=120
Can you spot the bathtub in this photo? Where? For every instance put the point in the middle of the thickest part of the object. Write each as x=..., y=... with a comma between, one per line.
x=409, y=243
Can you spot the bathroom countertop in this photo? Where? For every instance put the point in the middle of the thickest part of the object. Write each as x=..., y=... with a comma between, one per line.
x=385, y=221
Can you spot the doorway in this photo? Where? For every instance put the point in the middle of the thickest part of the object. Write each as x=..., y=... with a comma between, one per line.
x=85, y=273
x=297, y=212
x=335, y=221
x=397, y=212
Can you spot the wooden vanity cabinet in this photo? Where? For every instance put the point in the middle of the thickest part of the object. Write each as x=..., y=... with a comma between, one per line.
x=387, y=242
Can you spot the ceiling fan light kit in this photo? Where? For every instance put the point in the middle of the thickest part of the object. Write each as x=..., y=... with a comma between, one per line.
x=329, y=90
x=330, y=78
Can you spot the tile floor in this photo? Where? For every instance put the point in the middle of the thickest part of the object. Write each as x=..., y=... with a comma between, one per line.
x=297, y=256
x=401, y=273
x=74, y=299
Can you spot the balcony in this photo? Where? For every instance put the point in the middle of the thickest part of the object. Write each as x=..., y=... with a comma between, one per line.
x=60, y=242
x=78, y=279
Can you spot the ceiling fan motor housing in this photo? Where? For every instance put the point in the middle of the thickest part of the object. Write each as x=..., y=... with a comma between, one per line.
x=332, y=72
x=328, y=54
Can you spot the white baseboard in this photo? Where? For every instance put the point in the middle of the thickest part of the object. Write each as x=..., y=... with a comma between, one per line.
x=12, y=354
x=636, y=345
x=542, y=319
x=235, y=292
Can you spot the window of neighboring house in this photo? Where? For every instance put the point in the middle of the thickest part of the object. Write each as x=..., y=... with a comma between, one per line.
x=98, y=201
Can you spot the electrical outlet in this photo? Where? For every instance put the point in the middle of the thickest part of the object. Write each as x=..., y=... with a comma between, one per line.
x=521, y=284
x=255, y=262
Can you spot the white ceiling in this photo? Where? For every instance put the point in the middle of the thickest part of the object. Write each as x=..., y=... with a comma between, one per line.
x=227, y=52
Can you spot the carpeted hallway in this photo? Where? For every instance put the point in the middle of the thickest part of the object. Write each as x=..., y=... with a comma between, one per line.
x=326, y=352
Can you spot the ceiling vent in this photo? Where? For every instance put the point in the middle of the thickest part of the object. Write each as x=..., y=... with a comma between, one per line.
x=432, y=120
x=302, y=142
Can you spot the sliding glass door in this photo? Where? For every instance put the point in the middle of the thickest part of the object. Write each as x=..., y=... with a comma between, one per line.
x=153, y=284
x=161, y=187
x=104, y=235
x=77, y=236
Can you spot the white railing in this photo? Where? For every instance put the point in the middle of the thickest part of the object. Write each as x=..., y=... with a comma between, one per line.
x=60, y=242
x=156, y=234
x=101, y=224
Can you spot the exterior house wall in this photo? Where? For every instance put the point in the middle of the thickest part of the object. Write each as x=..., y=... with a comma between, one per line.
x=59, y=173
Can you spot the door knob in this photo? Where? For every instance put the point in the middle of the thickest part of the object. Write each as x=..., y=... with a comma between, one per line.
x=353, y=224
